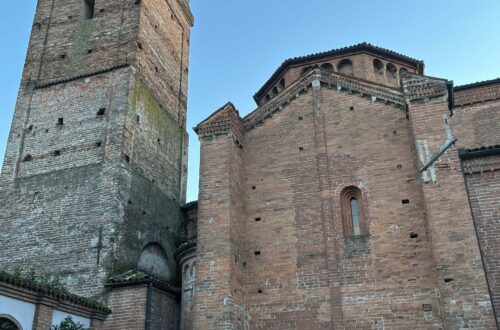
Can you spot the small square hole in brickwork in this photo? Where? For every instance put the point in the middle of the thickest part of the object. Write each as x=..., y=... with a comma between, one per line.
x=399, y=166
x=257, y=253
x=413, y=235
x=258, y=219
x=156, y=69
x=158, y=140
x=57, y=153
x=138, y=119
x=139, y=45
x=62, y=56
x=351, y=108
x=89, y=51
x=254, y=187
x=427, y=307
x=300, y=118
x=60, y=121
x=28, y=158
x=98, y=144
x=301, y=148
x=405, y=201
x=260, y=291
x=395, y=133
x=126, y=158
x=101, y=112
x=448, y=280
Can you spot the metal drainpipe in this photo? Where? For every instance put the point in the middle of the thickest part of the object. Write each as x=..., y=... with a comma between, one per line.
x=478, y=242
x=148, y=306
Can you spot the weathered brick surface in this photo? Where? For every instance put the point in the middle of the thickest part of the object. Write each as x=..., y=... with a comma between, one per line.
x=483, y=182
x=95, y=167
x=418, y=266
x=165, y=311
x=129, y=308
x=461, y=277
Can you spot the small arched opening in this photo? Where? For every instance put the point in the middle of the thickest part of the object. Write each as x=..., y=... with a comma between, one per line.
x=275, y=91
x=281, y=85
x=391, y=73
x=346, y=67
x=328, y=67
x=378, y=66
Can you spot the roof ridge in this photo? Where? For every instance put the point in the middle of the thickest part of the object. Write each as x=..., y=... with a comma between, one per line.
x=312, y=56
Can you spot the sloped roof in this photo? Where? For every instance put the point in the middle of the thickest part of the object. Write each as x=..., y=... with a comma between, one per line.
x=364, y=46
x=478, y=84
x=52, y=291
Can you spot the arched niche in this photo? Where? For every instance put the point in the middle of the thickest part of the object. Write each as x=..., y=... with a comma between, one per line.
x=328, y=67
x=154, y=261
x=378, y=66
x=391, y=72
x=346, y=67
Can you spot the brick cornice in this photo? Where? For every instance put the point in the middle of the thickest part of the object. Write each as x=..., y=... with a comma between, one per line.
x=335, y=80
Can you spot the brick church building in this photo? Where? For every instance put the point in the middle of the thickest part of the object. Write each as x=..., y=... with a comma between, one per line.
x=360, y=194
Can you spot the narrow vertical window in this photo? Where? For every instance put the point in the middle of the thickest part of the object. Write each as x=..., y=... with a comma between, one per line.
x=88, y=9
x=355, y=217
x=353, y=213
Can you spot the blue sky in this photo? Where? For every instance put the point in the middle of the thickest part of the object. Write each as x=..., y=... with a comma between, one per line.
x=237, y=45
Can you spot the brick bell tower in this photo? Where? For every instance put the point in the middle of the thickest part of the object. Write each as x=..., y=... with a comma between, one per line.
x=95, y=168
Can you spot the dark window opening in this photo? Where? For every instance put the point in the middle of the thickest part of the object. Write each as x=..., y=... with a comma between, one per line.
x=353, y=212
x=60, y=121
x=88, y=9
x=448, y=280
x=257, y=253
x=101, y=112
x=413, y=235
x=28, y=158
x=405, y=201
x=98, y=144
x=6, y=324
x=301, y=118
x=57, y=153
x=351, y=108
x=259, y=291
x=258, y=219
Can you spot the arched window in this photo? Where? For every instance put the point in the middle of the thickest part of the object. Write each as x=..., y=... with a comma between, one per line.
x=352, y=212
x=327, y=67
x=8, y=324
x=88, y=9
x=345, y=66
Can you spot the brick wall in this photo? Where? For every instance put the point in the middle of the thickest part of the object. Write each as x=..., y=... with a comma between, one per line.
x=129, y=308
x=461, y=278
x=483, y=181
x=165, y=311
x=95, y=167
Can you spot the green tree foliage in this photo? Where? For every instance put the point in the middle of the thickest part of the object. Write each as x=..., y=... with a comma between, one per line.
x=69, y=324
